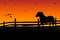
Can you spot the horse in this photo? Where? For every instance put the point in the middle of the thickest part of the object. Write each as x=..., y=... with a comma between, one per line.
x=45, y=19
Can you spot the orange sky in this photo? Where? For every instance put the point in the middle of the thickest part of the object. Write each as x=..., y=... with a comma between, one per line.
x=25, y=10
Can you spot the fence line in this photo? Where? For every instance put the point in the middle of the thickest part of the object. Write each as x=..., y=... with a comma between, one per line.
x=38, y=23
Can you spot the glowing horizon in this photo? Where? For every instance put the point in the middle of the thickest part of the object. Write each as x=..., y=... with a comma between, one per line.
x=25, y=10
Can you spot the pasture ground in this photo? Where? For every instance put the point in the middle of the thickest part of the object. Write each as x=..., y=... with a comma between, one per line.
x=35, y=29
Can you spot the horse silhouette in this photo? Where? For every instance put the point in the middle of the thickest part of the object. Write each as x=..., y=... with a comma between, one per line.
x=45, y=19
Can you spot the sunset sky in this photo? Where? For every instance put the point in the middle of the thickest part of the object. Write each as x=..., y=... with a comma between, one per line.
x=25, y=10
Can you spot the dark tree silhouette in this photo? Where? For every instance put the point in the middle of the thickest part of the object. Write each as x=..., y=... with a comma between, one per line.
x=44, y=19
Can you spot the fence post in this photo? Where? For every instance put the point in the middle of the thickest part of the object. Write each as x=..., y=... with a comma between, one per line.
x=15, y=23
x=38, y=25
x=55, y=23
x=3, y=25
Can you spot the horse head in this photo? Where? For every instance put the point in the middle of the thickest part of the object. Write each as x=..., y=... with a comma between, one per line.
x=39, y=14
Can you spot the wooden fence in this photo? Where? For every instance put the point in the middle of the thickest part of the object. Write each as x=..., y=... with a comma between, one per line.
x=38, y=23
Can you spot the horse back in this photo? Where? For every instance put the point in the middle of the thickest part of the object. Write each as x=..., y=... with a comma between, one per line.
x=50, y=18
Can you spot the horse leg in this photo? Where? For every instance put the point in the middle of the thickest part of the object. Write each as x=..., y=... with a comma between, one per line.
x=42, y=25
x=53, y=25
x=49, y=24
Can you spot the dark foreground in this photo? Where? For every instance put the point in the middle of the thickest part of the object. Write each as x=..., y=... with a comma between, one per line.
x=35, y=29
